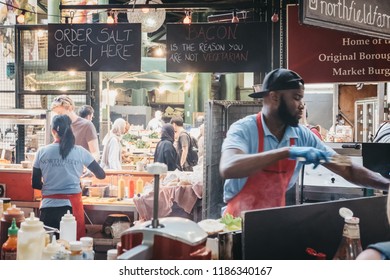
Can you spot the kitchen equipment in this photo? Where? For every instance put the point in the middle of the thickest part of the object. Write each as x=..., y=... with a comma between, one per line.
x=26, y=164
x=229, y=245
x=85, y=184
x=170, y=238
x=98, y=190
x=286, y=232
x=114, y=223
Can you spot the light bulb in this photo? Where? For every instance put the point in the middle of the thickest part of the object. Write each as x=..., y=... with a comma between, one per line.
x=110, y=20
x=159, y=51
x=187, y=20
x=275, y=17
x=146, y=9
x=235, y=19
x=20, y=18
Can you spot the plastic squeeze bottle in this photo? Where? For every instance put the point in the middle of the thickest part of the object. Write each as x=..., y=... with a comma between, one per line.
x=31, y=239
x=121, y=188
x=130, y=193
x=76, y=252
x=51, y=249
x=68, y=227
x=6, y=221
x=87, y=248
x=140, y=186
x=9, y=248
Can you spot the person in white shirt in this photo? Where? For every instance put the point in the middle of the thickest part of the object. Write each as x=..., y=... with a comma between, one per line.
x=112, y=151
x=156, y=123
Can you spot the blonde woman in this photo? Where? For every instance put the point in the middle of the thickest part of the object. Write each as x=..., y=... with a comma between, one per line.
x=112, y=157
x=84, y=131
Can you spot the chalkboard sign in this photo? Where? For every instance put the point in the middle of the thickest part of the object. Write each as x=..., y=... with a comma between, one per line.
x=94, y=47
x=217, y=47
x=358, y=16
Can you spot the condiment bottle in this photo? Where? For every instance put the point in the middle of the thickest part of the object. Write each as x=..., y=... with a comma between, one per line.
x=87, y=248
x=9, y=248
x=68, y=227
x=140, y=186
x=31, y=239
x=76, y=252
x=6, y=221
x=6, y=203
x=130, y=193
x=112, y=254
x=350, y=246
x=51, y=249
x=121, y=188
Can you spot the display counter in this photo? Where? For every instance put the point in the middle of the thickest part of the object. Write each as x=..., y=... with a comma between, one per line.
x=16, y=182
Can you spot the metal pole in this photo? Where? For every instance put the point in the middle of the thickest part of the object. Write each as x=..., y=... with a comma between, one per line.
x=155, y=200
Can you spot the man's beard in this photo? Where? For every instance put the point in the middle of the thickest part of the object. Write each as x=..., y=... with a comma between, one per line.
x=285, y=114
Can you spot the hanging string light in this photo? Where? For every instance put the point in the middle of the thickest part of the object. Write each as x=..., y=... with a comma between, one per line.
x=275, y=16
x=146, y=10
x=159, y=51
x=21, y=18
x=235, y=18
x=110, y=18
x=187, y=19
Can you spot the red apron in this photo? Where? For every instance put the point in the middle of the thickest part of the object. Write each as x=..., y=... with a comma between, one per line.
x=266, y=188
x=77, y=209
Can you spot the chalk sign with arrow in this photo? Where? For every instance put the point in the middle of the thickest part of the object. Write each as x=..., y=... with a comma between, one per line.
x=94, y=47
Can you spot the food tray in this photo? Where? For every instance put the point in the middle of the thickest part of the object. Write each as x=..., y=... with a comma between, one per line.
x=97, y=190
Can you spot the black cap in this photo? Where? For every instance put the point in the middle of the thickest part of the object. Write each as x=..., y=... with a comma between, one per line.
x=278, y=79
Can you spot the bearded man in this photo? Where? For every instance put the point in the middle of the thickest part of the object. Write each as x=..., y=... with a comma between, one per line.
x=262, y=154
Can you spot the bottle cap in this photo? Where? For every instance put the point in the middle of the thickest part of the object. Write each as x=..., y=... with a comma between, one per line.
x=75, y=245
x=112, y=254
x=13, y=229
x=32, y=224
x=87, y=241
x=345, y=212
x=68, y=217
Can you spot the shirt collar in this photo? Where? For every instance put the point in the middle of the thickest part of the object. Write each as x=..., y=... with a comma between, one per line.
x=288, y=134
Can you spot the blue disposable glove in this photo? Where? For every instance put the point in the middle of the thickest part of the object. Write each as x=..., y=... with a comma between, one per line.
x=308, y=155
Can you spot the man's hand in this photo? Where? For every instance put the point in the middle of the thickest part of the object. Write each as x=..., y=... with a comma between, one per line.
x=308, y=155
